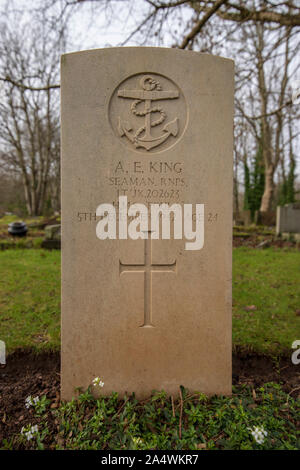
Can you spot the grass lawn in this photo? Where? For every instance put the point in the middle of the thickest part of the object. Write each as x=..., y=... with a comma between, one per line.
x=266, y=293
x=266, y=297
x=30, y=299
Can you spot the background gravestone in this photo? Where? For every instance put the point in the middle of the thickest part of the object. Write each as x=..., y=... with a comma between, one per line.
x=52, y=237
x=288, y=218
x=155, y=125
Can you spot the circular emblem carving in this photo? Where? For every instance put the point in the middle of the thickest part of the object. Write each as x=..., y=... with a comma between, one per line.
x=148, y=112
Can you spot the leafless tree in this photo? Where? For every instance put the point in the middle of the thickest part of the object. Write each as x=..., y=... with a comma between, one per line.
x=156, y=13
x=266, y=103
x=29, y=109
x=262, y=36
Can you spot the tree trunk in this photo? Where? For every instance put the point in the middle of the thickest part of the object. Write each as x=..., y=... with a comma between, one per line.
x=27, y=195
x=266, y=201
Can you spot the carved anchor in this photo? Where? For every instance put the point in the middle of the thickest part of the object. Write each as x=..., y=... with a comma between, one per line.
x=151, y=91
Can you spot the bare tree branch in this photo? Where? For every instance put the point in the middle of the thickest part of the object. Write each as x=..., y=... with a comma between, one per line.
x=272, y=113
x=27, y=87
x=199, y=25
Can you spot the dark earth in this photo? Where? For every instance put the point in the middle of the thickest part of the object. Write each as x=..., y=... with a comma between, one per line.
x=254, y=240
x=28, y=374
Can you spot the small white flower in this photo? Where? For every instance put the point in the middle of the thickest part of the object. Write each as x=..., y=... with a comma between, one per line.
x=29, y=431
x=28, y=402
x=259, y=434
x=29, y=435
x=98, y=381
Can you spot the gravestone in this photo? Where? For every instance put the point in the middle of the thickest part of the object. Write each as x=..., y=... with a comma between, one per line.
x=146, y=126
x=52, y=239
x=53, y=232
x=288, y=218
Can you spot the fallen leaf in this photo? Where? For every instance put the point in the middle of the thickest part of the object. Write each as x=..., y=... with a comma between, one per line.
x=250, y=308
x=201, y=446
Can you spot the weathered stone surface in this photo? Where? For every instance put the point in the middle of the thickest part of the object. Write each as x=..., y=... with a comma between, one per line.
x=146, y=314
x=52, y=239
x=53, y=232
x=288, y=218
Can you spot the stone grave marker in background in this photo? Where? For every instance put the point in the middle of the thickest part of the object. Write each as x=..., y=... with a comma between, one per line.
x=288, y=218
x=154, y=125
x=52, y=237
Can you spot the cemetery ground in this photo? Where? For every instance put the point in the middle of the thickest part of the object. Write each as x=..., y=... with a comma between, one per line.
x=266, y=391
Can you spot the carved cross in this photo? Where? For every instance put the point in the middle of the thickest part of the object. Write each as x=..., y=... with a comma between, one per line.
x=147, y=268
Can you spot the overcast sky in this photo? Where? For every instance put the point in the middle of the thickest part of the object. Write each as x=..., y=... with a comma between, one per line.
x=101, y=30
x=111, y=28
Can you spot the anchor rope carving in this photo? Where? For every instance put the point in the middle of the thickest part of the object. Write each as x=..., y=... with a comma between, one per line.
x=157, y=109
x=150, y=90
